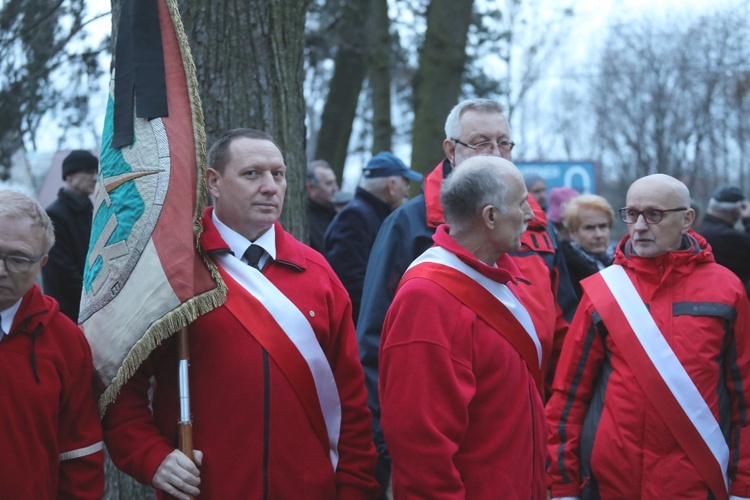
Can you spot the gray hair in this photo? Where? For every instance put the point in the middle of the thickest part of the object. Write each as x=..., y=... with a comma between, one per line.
x=452, y=125
x=18, y=205
x=311, y=174
x=376, y=184
x=469, y=189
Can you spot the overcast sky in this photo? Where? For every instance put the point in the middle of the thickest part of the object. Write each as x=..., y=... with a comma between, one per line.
x=593, y=17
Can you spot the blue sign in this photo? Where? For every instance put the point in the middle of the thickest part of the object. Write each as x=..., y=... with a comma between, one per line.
x=578, y=175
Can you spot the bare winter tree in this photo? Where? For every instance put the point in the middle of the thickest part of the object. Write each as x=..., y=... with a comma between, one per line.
x=350, y=68
x=35, y=51
x=437, y=83
x=669, y=99
x=249, y=58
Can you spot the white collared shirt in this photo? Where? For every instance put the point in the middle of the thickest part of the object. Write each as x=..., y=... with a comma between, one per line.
x=7, y=317
x=238, y=244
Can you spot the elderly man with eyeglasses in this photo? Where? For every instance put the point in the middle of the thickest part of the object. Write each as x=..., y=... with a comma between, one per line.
x=474, y=127
x=51, y=438
x=651, y=393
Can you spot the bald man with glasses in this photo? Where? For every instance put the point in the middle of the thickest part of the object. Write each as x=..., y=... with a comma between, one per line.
x=650, y=397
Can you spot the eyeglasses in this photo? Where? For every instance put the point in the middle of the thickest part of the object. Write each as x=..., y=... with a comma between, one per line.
x=19, y=263
x=486, y=147
x=651, y=215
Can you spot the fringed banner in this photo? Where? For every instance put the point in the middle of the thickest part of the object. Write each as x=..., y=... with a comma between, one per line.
x=145, y=277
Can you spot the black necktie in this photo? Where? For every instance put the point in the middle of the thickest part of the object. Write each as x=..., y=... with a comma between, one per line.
x=252, y=255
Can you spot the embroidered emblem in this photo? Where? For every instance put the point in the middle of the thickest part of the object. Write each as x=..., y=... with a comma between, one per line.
x=131, y=189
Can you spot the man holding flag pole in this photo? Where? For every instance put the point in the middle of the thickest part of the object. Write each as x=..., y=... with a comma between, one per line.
x=278, y=400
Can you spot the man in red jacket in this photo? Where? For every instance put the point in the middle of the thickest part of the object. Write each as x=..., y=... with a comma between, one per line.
x=51, y=439
x=651, y=393
x=461, y=360
x=474, y=127
x=277, y=392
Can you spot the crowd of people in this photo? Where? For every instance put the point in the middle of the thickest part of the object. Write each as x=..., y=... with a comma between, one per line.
x=484, y=339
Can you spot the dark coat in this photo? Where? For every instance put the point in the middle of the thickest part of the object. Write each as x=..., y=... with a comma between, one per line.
x=62, y=277
x=581, y=264
x=349, y=239
x=318, y=218
x=731, y=247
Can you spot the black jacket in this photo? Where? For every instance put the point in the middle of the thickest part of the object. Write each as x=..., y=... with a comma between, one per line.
x=731, y=247
x=349, y=239
x=581, y=264
x=62, y=277
x=318, y=218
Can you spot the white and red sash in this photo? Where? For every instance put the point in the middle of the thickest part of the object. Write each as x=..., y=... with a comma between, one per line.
x=486, y=297
x=660, y=374
x=281, y=328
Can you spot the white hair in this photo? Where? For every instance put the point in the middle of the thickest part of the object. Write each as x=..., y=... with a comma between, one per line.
x=452, y=125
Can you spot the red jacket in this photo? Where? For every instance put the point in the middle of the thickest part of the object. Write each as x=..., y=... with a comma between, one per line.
x=228, y=384
x=47, y=407
x=461, y=413
x=625, y=450
x=545, y=276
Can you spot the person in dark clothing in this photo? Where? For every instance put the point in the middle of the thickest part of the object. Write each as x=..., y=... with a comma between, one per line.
x=321, y=187
x=350, y=236
x=731, y=247
x=71, y=215
x=588, y=219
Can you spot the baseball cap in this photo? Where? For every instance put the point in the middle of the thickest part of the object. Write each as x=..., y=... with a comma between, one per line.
x=385, y=164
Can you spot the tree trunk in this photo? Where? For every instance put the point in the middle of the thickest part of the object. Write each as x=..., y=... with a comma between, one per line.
x=437, y=84
x=120, y=486
x=380, y=76
x=249, y=60
x=345, y=86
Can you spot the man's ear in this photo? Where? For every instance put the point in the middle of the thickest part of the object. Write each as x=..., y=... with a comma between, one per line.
x=449, y=148
x=688, y=219
x=212, y=179
x=489, y=215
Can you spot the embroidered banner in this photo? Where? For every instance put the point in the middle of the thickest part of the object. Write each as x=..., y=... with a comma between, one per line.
x=144, y=277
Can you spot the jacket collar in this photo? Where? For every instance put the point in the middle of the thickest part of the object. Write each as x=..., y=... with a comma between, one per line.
x=287, y=251
x=505, y=271
x=80, y=203
x=539, y=222
x=35, y=308
x=693, y=252
x=433, y=182
x=376, y=203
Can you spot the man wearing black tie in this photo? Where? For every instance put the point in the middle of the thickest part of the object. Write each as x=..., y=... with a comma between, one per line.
x=276, y=382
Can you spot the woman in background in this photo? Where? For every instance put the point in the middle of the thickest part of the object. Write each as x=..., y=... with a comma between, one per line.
x=588, y=219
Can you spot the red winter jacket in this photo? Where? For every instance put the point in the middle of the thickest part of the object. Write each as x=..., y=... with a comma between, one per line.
x=51, y=439
x=625, y=449
x=549, y=296
x=228, y=385
x=460, y=411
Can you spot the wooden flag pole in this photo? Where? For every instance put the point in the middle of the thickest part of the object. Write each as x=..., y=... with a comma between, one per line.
x=185, y=425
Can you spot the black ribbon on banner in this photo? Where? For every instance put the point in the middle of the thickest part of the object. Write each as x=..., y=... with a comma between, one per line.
x=140, y=79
